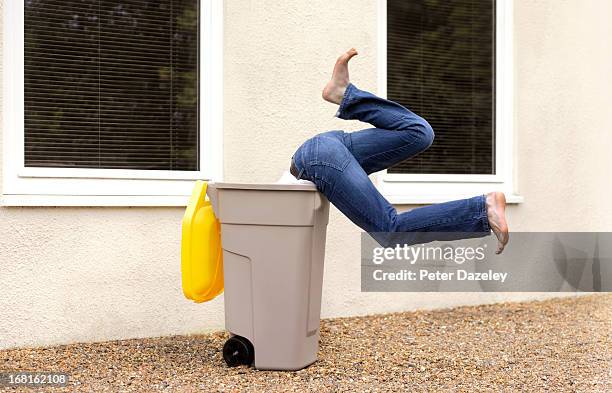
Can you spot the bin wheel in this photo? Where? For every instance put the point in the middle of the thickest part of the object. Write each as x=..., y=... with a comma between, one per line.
x=238, y=351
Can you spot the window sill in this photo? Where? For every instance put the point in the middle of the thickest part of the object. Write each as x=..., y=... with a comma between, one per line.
x=401, y=189
x=95, y=200
x=424, y=199
x=181, y=201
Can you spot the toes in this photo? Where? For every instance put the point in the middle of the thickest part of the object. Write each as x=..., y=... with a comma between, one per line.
x=345, y=57
x=502, y=240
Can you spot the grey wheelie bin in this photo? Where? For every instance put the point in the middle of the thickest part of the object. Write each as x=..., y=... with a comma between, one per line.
x=273, y=241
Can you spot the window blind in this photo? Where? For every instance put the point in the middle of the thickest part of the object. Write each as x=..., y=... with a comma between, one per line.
x=111, y=84
x=440, y=64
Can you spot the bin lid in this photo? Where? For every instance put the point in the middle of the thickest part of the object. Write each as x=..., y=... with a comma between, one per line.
x=265, y=186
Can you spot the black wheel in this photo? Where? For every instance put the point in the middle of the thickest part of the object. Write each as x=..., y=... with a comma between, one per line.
x=237, y=351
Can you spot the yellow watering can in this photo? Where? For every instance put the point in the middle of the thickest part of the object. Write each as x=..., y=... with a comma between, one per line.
x=201, y=254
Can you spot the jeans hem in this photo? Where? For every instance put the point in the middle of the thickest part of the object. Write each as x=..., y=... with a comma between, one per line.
x=346, y=100
x=484, y=215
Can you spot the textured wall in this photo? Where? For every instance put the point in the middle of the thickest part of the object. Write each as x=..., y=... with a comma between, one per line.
x=80, y=274
x=1, y=92
x=563, y=118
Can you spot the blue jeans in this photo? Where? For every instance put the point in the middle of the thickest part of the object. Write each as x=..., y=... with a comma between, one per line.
x=338, y=163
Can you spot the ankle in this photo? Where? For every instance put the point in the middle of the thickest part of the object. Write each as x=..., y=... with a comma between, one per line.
x=334, y=93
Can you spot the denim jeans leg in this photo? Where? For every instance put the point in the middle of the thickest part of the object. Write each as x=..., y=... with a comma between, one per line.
x=326, y=161
x=398, y=134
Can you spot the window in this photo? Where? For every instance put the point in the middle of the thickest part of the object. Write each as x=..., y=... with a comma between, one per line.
x=450, y=62
x=111, y=84
x=114, y=98
x=440, y=63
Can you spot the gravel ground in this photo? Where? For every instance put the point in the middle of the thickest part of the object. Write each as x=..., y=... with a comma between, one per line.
x=553, y=345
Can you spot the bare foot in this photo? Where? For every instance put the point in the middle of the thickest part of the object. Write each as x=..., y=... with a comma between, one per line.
x=334, y=90
x=496, y=212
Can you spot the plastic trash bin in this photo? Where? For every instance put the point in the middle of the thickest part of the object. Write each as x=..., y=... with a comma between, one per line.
x=273, y=242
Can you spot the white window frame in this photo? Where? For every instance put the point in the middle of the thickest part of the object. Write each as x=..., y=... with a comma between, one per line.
x=434, y=188
x=30, y=186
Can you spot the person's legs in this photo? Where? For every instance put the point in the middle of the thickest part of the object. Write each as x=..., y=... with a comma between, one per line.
x=338, y=164
x=326, y=161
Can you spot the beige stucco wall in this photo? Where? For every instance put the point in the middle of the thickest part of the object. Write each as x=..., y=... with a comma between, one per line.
x=81, y=274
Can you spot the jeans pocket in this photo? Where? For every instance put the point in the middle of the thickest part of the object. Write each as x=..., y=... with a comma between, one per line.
x=330, y=152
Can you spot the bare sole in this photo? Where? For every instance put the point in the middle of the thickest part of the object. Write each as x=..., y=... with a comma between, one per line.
x=496, y=213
